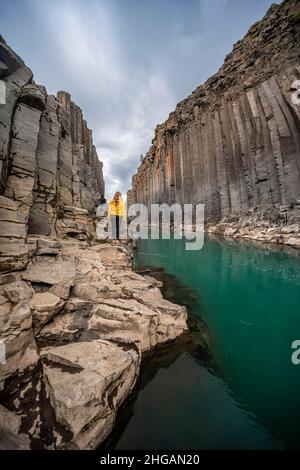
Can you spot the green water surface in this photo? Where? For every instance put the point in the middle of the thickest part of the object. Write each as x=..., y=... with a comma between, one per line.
x=249, y=297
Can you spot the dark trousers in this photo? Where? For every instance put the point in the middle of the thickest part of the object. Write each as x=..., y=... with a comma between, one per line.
x=116, y=222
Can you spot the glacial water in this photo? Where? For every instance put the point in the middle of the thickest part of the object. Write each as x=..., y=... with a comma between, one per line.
x=241, y=390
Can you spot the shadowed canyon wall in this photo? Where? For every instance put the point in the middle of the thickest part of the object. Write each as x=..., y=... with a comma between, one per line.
x=50, y=175
x=234, y=143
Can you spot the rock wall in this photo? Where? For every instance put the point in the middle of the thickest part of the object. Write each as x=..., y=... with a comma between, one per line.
x=75, y=324
x=50, y=175
x=74, y=319
x=234, y=143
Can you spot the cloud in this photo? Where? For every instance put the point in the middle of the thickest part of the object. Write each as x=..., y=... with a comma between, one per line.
x=125, y=63
x=122, y=142
x=188, y=44
x=86, y=45
x=121, y=100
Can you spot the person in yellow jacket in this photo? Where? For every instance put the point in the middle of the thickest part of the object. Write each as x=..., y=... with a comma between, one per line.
x=116, y=215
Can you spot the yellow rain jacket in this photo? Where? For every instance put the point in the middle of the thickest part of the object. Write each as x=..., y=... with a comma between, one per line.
x=116, y=208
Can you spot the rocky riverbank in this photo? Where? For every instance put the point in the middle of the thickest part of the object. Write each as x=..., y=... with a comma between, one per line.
x=257, y=227
x=76, y=322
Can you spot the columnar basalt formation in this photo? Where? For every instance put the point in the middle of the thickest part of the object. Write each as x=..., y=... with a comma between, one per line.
x=50, y=175
x=75, y=319
x=234, y=143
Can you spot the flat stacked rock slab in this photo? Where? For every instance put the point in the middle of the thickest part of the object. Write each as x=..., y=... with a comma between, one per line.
x=76, y=325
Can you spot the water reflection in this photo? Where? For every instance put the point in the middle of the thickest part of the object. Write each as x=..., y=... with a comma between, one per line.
x=237, y=387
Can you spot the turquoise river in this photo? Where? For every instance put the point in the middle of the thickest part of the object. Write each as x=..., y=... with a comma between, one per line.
x=243, y=392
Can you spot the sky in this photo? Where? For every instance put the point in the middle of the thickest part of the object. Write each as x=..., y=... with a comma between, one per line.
x=126, y=63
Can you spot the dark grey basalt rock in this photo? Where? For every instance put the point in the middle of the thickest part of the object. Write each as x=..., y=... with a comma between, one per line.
x=234, y=143
x=50, y=173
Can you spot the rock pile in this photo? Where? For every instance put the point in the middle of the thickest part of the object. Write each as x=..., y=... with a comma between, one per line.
x=75, y=324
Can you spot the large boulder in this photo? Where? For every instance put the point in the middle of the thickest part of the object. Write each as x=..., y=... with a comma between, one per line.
x=87, y=382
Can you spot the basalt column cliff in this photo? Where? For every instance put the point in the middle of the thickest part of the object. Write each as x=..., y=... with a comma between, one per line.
x=50, y=174
x=234, y=144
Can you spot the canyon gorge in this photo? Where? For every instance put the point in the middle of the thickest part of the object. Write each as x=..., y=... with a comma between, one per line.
x=75, y=319
x=234, y=143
